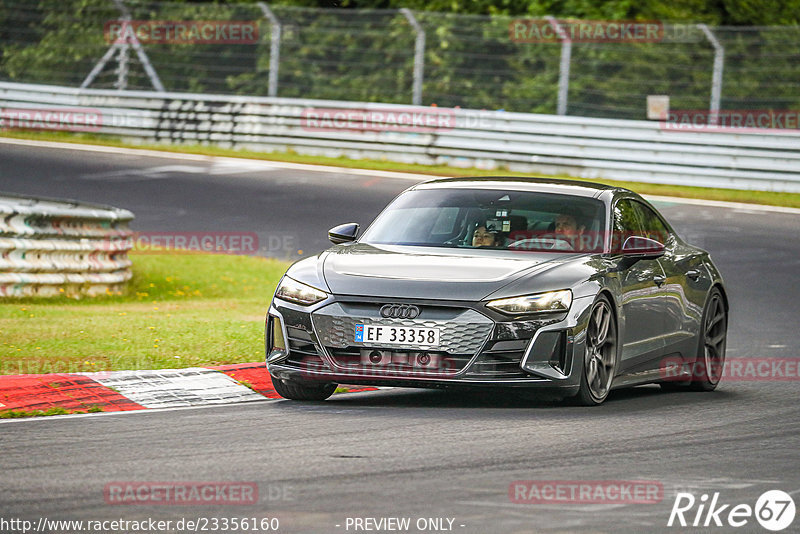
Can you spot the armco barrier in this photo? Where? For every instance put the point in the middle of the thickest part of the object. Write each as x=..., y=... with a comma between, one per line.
x=50, y=247
x=641, y=151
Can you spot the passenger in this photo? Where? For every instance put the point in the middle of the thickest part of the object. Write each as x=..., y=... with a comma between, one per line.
x=484, y=238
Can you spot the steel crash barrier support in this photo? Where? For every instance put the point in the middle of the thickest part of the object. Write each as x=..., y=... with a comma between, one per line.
x=764, y=157
x=50, y=247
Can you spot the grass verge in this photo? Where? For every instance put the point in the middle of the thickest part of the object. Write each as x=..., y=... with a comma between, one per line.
x=179, y=310
x=56, y=410
x=730, y=195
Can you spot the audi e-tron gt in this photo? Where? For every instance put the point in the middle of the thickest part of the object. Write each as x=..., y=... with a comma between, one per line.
x=574, y=287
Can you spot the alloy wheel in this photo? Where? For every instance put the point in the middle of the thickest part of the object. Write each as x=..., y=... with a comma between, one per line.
x=714, y=335
x=601, y=349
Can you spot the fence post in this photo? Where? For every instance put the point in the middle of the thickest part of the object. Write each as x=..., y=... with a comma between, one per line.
x=716, y=77
x=137, y=47
x=563, y=69
x=274, y=48
x=419, y=55
x=131, y=40
x=122, y=67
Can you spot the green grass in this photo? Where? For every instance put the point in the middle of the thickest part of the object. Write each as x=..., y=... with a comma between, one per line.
x=15, y=414
x=178, y=311
x=55, y=410
x=731, y=195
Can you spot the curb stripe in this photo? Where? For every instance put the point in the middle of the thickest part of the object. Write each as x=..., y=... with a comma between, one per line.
x=255, y=375
x=116, y=391
x=170, y=388
x=71, y=392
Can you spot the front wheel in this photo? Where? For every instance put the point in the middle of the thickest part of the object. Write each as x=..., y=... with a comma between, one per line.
x=710, y=360
x=304, y=392
x=600, y=359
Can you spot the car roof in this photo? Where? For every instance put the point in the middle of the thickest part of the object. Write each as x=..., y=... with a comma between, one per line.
x=521, y=183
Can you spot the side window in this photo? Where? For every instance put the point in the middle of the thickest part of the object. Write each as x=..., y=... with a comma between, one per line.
x=626, y=223
x=651, y=224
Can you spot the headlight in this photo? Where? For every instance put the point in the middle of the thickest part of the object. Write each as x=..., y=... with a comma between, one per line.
x=299, y=293
x=550, y=302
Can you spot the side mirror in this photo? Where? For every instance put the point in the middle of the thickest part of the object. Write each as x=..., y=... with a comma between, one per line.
x=642, y=248
x=344, y=233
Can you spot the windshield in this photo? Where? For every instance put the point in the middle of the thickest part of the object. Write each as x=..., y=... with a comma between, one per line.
x=491, y=219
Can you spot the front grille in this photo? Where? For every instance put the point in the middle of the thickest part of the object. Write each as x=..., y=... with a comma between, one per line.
x=303, y=353
x=500, y=360
x=463, y=330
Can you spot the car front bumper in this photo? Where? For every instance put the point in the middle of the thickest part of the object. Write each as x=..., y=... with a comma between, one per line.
x=478, y=347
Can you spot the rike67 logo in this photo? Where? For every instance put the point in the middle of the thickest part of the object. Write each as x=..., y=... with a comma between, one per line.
x=774, y=510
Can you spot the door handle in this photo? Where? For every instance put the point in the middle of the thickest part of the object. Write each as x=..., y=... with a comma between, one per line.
x=694, y=274
x=659, y=279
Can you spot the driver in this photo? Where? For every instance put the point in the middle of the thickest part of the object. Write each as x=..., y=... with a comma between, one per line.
x=567, y=225
x=569, y=228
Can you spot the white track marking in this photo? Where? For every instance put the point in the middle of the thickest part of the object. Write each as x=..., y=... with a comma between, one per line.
x=216, y=160
x=171, y=388
x=723, y=204
x=239, y=164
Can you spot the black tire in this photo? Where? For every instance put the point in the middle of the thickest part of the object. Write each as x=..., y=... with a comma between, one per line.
x=600, y=358
x=674, y=385
x=710, y=361
x=303, y=392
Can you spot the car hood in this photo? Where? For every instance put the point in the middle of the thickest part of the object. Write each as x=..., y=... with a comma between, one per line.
x=428, y=273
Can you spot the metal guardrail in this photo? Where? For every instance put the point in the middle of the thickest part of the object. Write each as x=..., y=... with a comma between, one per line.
x=642, y=151
x=50, y=247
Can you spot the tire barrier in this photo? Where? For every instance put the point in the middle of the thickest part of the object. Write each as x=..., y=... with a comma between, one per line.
x=52, y=247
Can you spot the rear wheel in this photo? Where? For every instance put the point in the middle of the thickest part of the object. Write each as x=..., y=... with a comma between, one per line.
x=300, y=391
x=711, y=350
x=600, y=360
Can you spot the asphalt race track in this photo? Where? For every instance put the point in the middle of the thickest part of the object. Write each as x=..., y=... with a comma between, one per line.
x=409, y=453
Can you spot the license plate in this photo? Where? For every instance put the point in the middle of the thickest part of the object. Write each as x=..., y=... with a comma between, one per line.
x=398, y=335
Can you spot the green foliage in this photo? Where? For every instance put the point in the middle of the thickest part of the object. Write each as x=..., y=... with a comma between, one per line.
x=471, y=60
x=762, y=12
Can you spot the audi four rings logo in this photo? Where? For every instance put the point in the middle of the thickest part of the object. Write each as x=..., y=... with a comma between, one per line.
x=399, y=311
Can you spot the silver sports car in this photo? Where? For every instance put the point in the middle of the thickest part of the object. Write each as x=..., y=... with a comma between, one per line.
x=501, y=282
